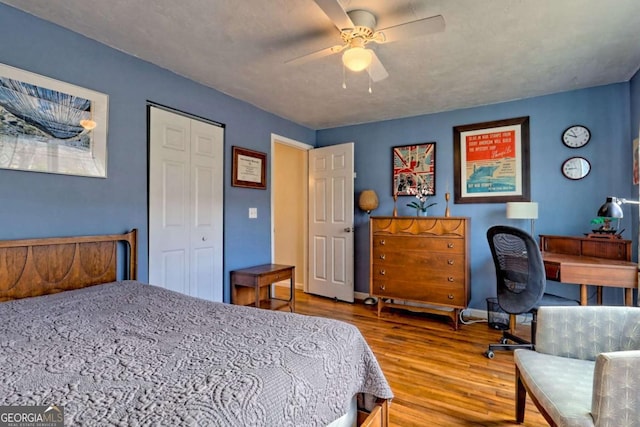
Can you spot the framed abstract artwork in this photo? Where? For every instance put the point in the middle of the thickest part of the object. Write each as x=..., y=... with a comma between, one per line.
x=491, y=162
x=51, y=126
x=414, y=169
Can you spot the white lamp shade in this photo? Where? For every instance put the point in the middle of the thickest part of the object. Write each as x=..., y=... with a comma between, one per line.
x=522, y=210
x=357, y=58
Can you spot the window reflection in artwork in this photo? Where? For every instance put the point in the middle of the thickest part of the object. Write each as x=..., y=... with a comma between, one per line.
x=51, y=126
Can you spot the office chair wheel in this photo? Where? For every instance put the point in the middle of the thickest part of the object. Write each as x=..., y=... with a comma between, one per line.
x=504, y=340
x=490, y=354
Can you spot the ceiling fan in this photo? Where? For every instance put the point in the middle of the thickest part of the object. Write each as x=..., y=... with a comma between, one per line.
x=358, y=28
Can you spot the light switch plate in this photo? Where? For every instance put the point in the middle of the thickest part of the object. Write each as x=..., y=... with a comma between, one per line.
x=253, y=213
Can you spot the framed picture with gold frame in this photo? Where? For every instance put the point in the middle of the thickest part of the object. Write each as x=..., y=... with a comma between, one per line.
x=249, y=168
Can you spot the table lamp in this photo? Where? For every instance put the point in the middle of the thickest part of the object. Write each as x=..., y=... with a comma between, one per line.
x=368, y=201
x=523, y=210
x=612, y=208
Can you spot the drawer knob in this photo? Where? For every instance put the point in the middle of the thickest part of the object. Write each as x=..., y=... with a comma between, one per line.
x=450, y=279
x=382, y=272
x=450, y=245
x=383, y=256
x=450, y=261
x=450, y=296
x=382, y=287
x=382, y=242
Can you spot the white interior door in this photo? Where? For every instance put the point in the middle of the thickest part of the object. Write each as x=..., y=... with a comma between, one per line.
x=331, y=221
x=185, y=204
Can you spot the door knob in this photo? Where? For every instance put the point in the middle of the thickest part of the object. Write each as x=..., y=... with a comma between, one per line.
x=348, y=229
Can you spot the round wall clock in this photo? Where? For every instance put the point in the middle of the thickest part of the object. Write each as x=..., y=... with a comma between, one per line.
x=576, y=136
x=576, y=168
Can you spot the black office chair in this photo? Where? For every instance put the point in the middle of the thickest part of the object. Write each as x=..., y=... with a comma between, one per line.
x=521, y=281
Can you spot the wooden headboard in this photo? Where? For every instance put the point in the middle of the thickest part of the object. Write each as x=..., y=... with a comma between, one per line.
x=34, y=267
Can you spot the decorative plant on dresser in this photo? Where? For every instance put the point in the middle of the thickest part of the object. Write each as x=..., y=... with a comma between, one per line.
x=420, y=260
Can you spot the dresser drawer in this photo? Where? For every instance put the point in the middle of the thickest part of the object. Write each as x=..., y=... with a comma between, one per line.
x=441, y=274
x=432, y=294
x=414, y=259
x=421, y=243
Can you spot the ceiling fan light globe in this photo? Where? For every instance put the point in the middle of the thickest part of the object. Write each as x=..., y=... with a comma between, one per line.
x=357, y=58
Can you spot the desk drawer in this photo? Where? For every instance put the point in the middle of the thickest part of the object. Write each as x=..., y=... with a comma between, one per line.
x=552, y=270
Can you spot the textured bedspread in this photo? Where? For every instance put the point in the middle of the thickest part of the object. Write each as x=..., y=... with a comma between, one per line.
x=125, y=353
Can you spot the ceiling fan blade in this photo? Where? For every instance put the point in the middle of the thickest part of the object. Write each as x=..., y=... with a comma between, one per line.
x=421, y=27
x=336, y=13
x=376, y=69
x=316, y=55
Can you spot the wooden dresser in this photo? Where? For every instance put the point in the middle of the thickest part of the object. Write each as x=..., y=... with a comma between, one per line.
x=420, y=260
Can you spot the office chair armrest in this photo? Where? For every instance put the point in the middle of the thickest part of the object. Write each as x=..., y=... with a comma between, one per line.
x=582, y=332
x=616, y=389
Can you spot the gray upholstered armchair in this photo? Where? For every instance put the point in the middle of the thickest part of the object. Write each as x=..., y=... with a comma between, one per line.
x=585, y=370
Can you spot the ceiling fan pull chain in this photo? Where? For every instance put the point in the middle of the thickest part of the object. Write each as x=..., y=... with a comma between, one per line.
x=370, y=91
x=344, y=77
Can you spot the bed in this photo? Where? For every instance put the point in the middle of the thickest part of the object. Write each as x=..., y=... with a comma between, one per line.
x=120, y=352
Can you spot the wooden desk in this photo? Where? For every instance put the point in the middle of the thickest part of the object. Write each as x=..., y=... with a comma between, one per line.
x=589, y=261
x=260, y=278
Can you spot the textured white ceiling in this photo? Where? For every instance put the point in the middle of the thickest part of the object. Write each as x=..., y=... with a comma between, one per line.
x=490, y=51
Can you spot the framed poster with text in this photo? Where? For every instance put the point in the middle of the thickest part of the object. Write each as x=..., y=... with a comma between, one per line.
x=491, y=162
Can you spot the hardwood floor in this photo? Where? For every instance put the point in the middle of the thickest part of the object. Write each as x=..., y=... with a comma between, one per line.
x=439, y=377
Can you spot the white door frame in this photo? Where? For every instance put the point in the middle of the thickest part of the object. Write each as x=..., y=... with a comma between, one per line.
x=301, y=146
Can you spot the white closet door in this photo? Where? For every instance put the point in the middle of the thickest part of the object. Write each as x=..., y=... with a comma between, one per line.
x=185, y=205
x=206, y=210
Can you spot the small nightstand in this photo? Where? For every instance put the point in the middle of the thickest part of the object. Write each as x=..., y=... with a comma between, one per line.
x=260, y=278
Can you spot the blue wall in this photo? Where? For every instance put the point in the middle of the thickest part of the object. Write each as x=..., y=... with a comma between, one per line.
x=565, y=207
x=42, y=205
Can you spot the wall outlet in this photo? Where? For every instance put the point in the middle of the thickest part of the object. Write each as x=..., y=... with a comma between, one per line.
x=253, y=213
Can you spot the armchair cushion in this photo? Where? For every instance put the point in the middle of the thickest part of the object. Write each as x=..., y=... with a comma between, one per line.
x=585, y=370
x=562, y=386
